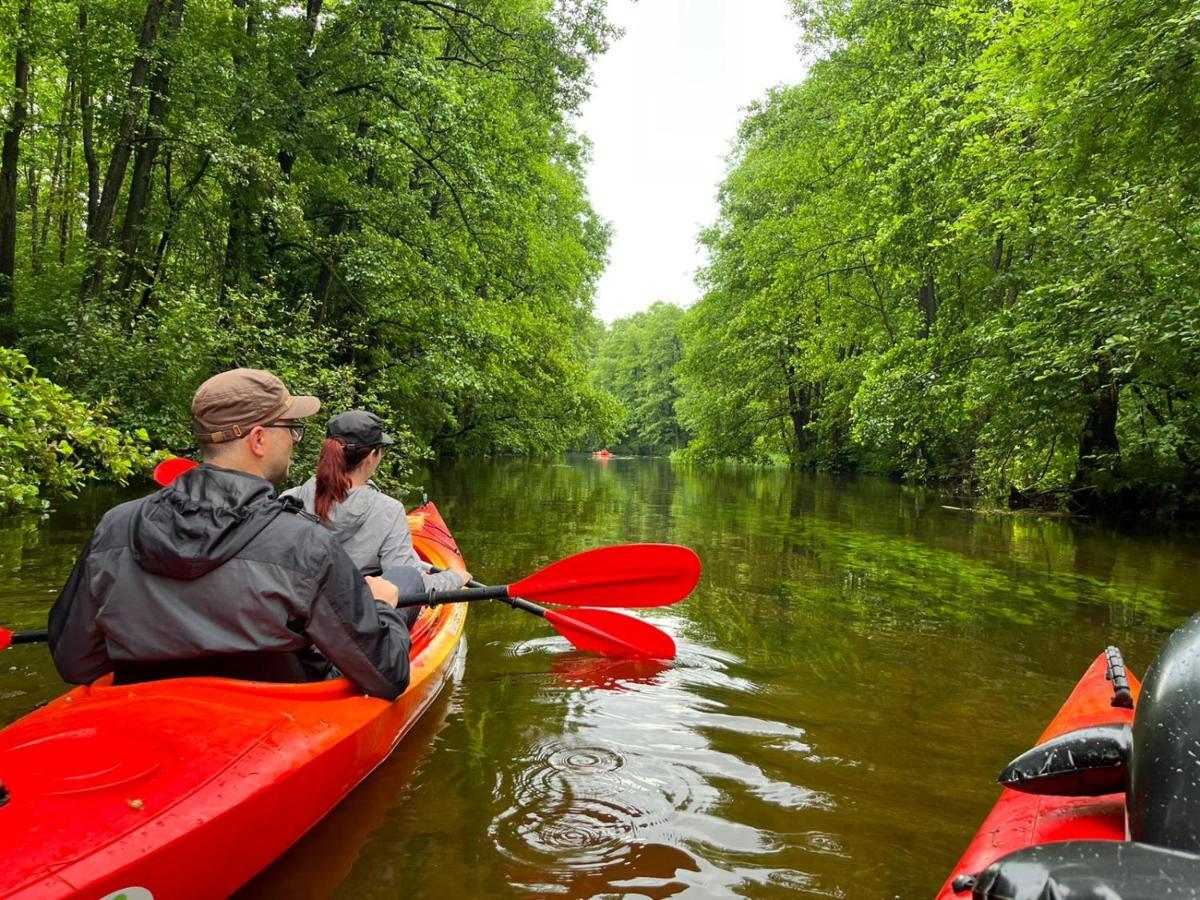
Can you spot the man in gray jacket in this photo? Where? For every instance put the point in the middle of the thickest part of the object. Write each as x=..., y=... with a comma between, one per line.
x=214, y=575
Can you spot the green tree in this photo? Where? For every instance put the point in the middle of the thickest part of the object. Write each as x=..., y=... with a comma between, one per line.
x=963, y=249
x=382, y=197
x=637, y=364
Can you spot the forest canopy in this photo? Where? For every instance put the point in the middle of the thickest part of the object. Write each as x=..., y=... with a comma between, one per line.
x=381, y=200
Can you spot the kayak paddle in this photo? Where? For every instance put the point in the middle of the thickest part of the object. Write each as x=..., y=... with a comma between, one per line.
x=656, y=575
x=599, y=630
x=20, y=637
x=171, y=468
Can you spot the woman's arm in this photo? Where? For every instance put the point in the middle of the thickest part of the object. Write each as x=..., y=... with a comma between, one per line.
x=397, y=550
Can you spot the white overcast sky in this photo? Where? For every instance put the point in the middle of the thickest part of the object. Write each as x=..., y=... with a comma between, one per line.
x=667, y=101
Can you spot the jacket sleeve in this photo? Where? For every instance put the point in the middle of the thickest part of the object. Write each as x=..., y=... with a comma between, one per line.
x=77, y=644
x=397, y=550
x=367, y=640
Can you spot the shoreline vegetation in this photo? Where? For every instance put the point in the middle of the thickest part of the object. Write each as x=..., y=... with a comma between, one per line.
x=382, y=201
x=964, y=250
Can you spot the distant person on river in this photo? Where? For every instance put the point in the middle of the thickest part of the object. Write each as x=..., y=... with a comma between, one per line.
x=215, y=575
x=371, y=526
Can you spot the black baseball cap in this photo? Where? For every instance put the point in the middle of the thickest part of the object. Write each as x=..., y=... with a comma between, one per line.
x=358, y=428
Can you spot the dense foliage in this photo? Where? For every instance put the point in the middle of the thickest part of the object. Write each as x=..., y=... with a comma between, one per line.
x=51, y=442
x=381, y=200
x=637, y=364
x=966, y=247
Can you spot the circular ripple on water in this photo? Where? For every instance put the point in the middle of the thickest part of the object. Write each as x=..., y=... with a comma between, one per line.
x=551, y=645
x=575, y=806
x=585, y=761
x=583, y=831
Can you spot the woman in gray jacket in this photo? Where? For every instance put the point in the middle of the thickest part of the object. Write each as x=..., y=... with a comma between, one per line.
x=371, y=526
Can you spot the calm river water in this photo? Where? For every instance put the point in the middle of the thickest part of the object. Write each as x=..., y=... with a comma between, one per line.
x=857, y=665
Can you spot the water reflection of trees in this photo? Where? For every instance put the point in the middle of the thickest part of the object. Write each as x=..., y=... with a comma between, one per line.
x=778, y=545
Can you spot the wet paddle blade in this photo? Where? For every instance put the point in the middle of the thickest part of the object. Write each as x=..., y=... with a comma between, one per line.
x=170, y=469
x=622, y=575
x=612, y=633
x=5, y=638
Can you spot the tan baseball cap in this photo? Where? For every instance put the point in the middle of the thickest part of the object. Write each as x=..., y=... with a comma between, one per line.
x=228, y=405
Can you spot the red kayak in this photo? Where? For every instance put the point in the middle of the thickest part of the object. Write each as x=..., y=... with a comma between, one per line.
x=1106, y=695
x=189, y=787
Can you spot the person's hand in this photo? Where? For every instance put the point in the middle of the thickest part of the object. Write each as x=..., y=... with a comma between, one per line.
x=383, y=590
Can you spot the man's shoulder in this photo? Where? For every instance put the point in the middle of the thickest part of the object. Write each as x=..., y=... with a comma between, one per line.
x=297, y=528
x=113, y=527
x=303, y=491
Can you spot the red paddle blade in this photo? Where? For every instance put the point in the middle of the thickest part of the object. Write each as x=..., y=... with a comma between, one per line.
x=623, y=575
x=5, y=638
x=612, y=633
x=170, y=469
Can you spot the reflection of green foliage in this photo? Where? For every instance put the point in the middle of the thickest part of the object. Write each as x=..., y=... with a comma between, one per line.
x=779, y=548
x=848, y=637
x=18, y=534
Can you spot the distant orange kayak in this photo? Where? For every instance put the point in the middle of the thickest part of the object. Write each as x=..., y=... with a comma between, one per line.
x=188, y=787
x=601, y=454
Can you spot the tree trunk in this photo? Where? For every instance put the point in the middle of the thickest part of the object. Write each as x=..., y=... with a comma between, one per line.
x=1099, y=449
x=66, y=203
x=303, y=63
x=928, y=302
x=56, y=172
x=31, y=192
x=86, y=118
x=100, y=227
x=238, y=233
x=148, y=141
x=174, y=205
x=799, y=407
x=337, y=224
x=9, y=161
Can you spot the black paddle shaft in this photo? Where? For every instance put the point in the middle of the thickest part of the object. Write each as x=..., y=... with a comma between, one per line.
x=474, y=591
x=30, y=637
x=515, y=602
x=437, y=598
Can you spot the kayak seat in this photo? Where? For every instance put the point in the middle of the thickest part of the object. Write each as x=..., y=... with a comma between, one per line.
x=276, y=667
x=1090, y=870
x=1087, y=762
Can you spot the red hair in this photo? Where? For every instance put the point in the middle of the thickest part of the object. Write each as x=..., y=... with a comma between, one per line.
x=333, y=474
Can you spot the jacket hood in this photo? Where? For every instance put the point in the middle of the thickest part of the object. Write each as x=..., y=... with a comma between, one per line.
x=202, y=520
x=347, y=517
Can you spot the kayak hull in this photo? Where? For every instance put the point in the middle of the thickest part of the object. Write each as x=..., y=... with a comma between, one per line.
x=1020, y=820
x=189, y=787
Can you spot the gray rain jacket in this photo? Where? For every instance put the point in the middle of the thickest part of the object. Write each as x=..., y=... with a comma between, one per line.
x=217, y=565
x=373, y=528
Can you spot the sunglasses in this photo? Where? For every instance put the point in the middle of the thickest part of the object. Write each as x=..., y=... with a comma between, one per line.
x=296, y=429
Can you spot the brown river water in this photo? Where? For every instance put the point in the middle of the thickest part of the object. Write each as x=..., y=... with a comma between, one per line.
x=856, y=666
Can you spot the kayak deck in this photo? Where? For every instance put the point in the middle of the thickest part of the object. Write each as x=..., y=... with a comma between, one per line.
x=188, y=787
x=1020, y=820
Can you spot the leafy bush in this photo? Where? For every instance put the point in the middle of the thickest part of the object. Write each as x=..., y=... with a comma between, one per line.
x=51, y=444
